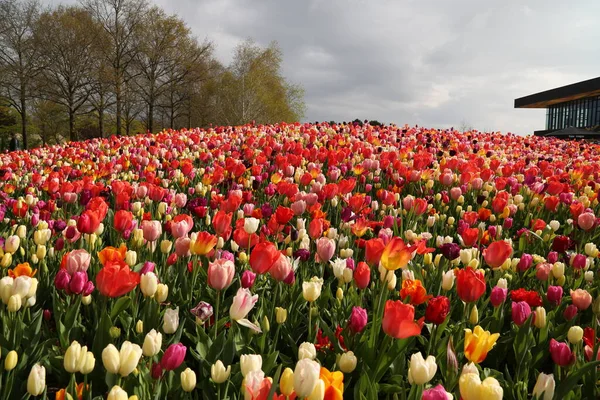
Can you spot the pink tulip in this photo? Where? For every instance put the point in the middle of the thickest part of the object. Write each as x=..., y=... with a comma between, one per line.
x=243, y=302
x=62, y=279
x=325, y=249
x=578, y=261
x=173, y=356
x=220, y=274
x=570, y=312
x=248, y=278
x=152, y=230
x=561, y=353
x=554, y=294
x=435, y=393
x=78, y=261
x=182, y=246
x=520, y=312
x=281, y=268
x=455, y=193
x=180, y=200
x=78, y=281
x=298, y=207
x=581, y=298
x=586, y=221
x=498, y=296
x=542, y=271
x=358, y=320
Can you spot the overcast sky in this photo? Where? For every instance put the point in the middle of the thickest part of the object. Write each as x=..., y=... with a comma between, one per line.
x=436, y=63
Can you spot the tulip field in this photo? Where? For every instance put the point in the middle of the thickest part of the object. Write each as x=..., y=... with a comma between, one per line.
x=301, y=261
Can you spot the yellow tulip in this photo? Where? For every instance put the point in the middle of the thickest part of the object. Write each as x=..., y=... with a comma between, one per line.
x=478, y=343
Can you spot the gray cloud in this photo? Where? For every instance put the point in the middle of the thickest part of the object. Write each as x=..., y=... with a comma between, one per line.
x=428, y=62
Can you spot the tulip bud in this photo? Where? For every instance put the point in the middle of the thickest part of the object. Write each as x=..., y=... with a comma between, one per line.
x=448, y=280
x=116, y=393
x=318, y=392
x=347, y=362
x=339, y=294
x=131, y=258
x=286, y=382
x=575, y=334
x=152, y=343
x=11, y=360
x=162, y=291
x=149, y=284
x=188, y=380
x=14, y=303
x=41, y=251
x=165, y=246
x=249, y=363
x=474, y=316
x=22, y=232
x=280, y=315
x=6, y=260
x=265, y=325
x=171, y=320
x=86, y=300
x=110, y=359
x=307, y=350
x=218, y=373
x=540, y=317
x=545, y=384
x=139, y=326
x=114, y=332
x=72, y=356
x=36, y=382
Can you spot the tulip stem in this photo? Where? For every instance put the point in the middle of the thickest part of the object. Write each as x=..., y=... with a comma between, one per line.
x=219, y=392
x=309, y=321
x=217, y=312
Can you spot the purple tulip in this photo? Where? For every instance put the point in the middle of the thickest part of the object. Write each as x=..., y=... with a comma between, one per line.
x=78, y=282
x=248, y=278
x=498, y=296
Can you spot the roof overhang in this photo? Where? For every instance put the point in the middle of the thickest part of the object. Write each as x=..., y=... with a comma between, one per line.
x=562, y=94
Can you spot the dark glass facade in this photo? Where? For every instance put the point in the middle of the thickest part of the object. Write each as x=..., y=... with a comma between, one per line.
x=582, y=113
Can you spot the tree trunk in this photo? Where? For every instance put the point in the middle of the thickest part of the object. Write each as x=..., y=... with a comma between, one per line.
x=101, y=116
x=71, y=125
x=24, y=120
x=119, y=105
x=150, y=114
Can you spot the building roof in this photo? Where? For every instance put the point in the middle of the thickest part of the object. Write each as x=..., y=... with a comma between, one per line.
x=575, y=91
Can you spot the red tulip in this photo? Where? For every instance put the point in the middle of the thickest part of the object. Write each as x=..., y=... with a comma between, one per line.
x=437, y=310
x=88, y=222
x=283, y=215
x=399, y=320
x=497, y=253
x=373, y=250
x=122, y=221
x=99, y=206
x=470, y=284
x=116, y=279
x=222, y=224
x=362, y=275
x=263, y=257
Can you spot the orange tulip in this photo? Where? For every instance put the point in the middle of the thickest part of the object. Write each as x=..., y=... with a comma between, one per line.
x=497, y=253
x=203, y=244
x=62, y=395
x=399, y=320
x=396, y=254
x=112, y=254
x=334, y=384
x=414, y=290
x=22, y=270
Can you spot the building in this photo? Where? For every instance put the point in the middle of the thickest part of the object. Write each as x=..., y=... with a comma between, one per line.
x=573, y=109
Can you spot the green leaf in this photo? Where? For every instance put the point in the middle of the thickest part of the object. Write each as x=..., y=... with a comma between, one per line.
x=567, y=384
x=122, y=304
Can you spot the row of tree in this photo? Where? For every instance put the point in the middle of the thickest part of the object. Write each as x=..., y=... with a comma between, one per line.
x=123, y=66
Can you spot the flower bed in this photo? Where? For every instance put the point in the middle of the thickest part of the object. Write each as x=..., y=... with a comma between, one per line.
x=301, y=261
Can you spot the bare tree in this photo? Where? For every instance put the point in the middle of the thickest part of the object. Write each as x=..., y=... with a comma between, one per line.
x=121, y=20
x=19, y=55
x=68, y=37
